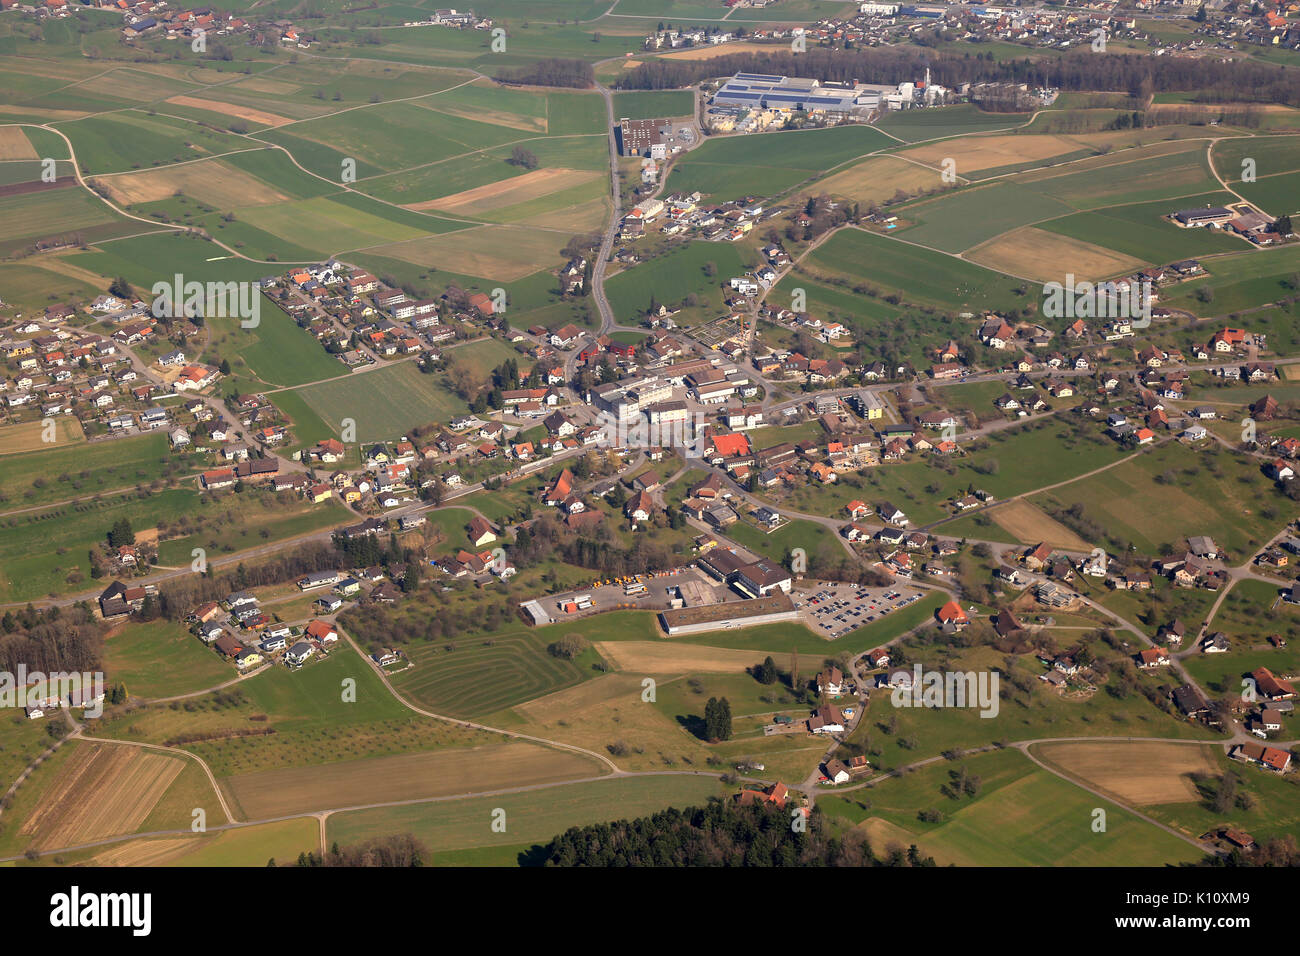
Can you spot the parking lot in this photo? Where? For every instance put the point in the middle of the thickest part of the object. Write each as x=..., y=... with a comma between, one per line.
x=834, y=609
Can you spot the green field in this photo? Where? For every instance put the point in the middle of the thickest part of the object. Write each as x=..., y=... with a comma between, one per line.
x=481, y=676
x=83, y=470
x=654, y=105
x=1022, y=816
x=764, y=164
x=161, y=659
x=530, y=818
x=921, y=275
x=670, y=278
x=1133, y=506
x=277, y=351
x=913, y=126
x=384, y=403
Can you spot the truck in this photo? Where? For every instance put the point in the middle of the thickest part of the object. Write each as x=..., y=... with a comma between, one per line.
x=583, y=601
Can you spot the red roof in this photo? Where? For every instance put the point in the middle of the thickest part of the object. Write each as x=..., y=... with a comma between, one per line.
x=952, y=612
x=731, y=446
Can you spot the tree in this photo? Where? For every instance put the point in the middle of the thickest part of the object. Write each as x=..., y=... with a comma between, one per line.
x=767, y=671
x=717, y=719
x=121, y=535
x=523, y=158
x=1282, y=225
x=121, y=288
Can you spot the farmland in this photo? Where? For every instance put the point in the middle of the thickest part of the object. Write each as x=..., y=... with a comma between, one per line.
x=1022, y=816
x=734, y=168
x=319, y=143
x=384, y=402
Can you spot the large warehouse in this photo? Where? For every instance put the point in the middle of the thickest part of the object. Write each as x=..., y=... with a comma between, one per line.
x=766, y=91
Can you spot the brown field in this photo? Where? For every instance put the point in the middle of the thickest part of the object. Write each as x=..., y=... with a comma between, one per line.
x=878, y=178
x=1137, y=772
x=497, y=253
x=1120, y=157
x=884, y=836
x=102, y=791
x=231, y=109
x=15, y=145
x=47, y=115
x=211, y=181
x=538, y=183
x=598, y=712
x=1291, y=372
x=271, y=793
x=529, y=124
x=973, y=154
x=146, y=852
x=27, y=436
x=711, y=52
x=584, y=217
x=1028, y=523
x=1038, y=254
x=668, y=657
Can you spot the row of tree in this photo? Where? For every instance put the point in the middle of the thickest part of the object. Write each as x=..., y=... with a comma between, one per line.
x=1242, y=80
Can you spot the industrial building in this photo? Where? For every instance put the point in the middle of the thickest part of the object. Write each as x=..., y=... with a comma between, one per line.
x=767, y=91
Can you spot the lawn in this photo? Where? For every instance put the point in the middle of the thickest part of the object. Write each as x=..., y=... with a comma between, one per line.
x=277, y=351
x=671, y=278
x=161, y=659
x=384, y=403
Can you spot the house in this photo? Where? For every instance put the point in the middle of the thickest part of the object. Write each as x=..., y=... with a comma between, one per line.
x=639, y=507
x=830, y=681
x=298, y=654
x=1269, y=757
x=837, y=771
x=1153, y=657
x=879, y=657
x=1270, y=687
x=1005, y=623
x=826, y=720
x=952, y=615
x=480, y=532
x=321, y=631
x=891, y=514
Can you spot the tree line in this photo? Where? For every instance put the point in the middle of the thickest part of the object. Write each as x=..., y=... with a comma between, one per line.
x=720, y=834
x=556, y=71
x=1241, y=80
